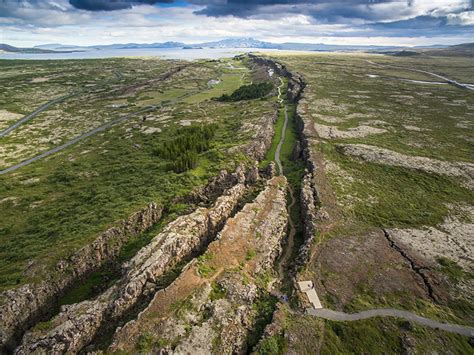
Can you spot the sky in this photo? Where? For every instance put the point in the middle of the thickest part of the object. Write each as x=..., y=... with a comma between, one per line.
x=25, y=23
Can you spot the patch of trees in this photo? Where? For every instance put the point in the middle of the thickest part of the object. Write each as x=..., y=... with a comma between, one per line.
x=184, y=148
x=248, y=92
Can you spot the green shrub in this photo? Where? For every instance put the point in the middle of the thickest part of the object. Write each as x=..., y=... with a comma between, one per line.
x=183, y=150
x=271, y=346
x=248, y=92
x=217, y=292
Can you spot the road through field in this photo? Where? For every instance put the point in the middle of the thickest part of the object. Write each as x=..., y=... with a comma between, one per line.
x=75, y=140
x=35, y=113
x=448, y=80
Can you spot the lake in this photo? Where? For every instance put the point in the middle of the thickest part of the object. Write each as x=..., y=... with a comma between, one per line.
x=166, y=53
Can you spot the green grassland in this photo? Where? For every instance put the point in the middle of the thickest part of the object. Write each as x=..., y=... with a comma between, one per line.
x=306, y=334
x=400, y=197
x=435, y=121
x=54, y=206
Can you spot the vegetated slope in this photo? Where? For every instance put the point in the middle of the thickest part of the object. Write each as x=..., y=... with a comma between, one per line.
x=56, y=207
x=232, y=275
x=377, y=230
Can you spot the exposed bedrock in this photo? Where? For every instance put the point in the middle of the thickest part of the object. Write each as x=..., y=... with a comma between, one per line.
x=296, y=83
x=22, y=307
x=77, y=325
x=308, y=202
x=461, y=170
x=37, y=300
x=262, y=139
x=218, y=324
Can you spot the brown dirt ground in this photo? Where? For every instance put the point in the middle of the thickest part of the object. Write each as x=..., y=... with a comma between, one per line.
x=350, y=264
x=228, y=252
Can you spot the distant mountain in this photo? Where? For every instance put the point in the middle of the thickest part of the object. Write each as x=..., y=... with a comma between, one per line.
x=140, y=45
x=239, y=43
x=62, y=47
x=458, y=50
x=7, y=48
x=248, y=42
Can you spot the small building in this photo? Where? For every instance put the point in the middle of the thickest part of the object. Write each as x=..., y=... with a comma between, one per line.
x=308, y=288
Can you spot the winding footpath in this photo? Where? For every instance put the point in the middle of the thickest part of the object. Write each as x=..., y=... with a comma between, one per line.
x=283, y=131
x=292, y=232
x=390, y=312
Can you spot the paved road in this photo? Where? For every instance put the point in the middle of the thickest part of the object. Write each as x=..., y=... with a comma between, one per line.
x=36, y=112
x=76, y=139
x=451, y=81
x=390, y=312
x=40, y=109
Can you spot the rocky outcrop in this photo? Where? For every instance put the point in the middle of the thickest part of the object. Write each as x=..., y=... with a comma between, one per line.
x=296, y=83
x=309, y=202
x=23, y=306
x=461, y=170
x=262, y=139
x=214, y=312
x=76, y=325
x=296, y=152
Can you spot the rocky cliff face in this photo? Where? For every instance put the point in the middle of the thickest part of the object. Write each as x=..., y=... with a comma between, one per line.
x=308, y=212
x=214, y=311
x=22, y=306
x=262, y=139
x=76, y=325
x=296, y=83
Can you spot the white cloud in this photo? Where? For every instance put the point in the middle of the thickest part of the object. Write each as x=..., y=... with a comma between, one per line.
x=58, y=21
x=463, y=19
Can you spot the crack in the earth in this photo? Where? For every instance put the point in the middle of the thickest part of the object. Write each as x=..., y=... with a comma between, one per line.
x=415, y=267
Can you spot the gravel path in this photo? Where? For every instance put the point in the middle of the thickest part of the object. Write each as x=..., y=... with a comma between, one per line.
x=280, y=144
x=390, y=312
x=282, y=138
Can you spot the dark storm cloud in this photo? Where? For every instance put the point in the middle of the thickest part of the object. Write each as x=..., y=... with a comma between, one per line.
x=325, y=9
x=110, y=5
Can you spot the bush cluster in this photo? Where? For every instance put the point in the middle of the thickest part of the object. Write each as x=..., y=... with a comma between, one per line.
x=183, y=150
x=248, y=92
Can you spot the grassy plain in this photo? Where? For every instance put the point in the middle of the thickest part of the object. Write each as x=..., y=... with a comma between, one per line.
x=56, y=205
x=351, y=100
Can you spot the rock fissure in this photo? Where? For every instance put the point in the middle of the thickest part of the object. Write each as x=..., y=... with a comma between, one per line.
x=413, y=265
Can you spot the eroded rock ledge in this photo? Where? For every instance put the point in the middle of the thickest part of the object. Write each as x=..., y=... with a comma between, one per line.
x=460, y=170
x=23, y=306
x=77, y=325
x=210, y=307
x=37, y=300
